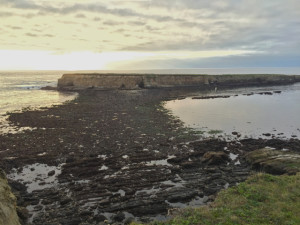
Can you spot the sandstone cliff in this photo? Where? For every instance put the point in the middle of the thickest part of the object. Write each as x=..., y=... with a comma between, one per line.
x=134, y=81
x=8, y=214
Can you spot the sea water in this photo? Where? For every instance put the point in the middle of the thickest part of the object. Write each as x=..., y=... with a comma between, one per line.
x=248, y=116
x=21, y=89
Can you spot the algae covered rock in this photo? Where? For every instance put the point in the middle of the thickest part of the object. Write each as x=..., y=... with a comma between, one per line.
x=214, y=158
x=8, y=214
x=275, y=162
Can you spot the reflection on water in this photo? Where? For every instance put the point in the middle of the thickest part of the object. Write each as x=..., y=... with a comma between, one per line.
x=22, y=89
x=18, y=99
x=254, y=116
x=36, y=176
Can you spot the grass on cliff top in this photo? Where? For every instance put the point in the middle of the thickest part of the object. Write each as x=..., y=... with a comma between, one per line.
x=262, y=199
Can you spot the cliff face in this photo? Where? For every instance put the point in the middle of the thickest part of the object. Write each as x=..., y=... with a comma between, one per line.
x=100, y=80
x=130, y=81
x=8, y=214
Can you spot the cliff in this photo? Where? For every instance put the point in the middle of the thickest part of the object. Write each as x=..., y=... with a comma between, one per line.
x=134, y=81
x=8, y=213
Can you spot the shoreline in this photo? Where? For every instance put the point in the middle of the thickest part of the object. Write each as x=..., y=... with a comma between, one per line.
x=121, y=148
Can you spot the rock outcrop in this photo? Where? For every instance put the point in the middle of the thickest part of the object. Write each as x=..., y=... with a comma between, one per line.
x=276, y=162
x=134, y=81
x=8, y=213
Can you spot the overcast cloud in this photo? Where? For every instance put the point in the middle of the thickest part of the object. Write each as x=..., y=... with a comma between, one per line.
x=267, y=30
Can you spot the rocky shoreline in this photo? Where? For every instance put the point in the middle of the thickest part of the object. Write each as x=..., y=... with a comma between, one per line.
x=118, y=156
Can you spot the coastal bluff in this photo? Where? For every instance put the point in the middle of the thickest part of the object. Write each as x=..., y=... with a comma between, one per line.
x=135, y=81
x=8, y=213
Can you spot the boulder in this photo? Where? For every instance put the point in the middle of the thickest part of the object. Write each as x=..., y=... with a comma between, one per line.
x=8, y=212
x=213, y=158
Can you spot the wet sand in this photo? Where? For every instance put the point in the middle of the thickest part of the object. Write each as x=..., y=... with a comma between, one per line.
x=118, y=155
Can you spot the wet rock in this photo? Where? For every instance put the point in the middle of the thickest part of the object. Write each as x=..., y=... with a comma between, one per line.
x=189, y=164
x=71, y=221
x=70, y=159
x=213, y=158
x=46, y=201
x=99, y=218
x=210, y=190
x=65, y=201
x=180, y=194
x=17, y=186
x=50, y=88
x=38, y=207
x=119, y=217
x=268, y=93
x=211, y=97
x=128, y=220
x=22, y=213
x=150, y=209
x=265, y=93
x=85, y=213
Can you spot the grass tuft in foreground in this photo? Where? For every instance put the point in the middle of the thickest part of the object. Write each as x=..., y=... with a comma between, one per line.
x=262, y=199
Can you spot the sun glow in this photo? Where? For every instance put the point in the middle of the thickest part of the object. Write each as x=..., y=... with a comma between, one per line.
x=47, y=60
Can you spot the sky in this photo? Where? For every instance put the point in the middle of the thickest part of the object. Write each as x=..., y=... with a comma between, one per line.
x=148, y=34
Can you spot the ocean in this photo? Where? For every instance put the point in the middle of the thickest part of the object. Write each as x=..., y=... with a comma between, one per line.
x=21, y=89
x=247, y=112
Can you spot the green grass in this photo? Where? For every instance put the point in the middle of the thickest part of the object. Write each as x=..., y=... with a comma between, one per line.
x=262, y=199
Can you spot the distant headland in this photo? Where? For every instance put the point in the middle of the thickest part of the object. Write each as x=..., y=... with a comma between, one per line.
x=136, y=81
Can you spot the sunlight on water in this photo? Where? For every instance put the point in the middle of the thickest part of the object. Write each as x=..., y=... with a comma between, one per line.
x=20, y=90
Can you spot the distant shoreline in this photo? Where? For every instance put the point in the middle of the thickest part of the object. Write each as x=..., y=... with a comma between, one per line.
x=79, y=81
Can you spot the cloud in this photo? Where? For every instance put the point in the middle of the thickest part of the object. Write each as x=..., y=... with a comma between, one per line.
x=112, y=23
x=80, y=15
x=48, y=35
x=15, y=27
x=270, y=26
x=241, y=61
x=5, y=14
x=31, y=35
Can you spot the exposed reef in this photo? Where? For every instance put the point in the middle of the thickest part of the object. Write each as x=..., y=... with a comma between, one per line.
x=135, y=81
x=118, y=156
